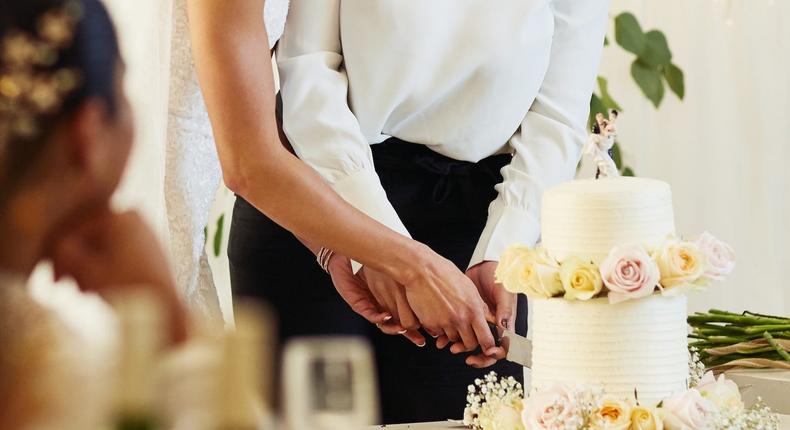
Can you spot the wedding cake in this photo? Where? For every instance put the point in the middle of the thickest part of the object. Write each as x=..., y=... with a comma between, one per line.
x=634, y=346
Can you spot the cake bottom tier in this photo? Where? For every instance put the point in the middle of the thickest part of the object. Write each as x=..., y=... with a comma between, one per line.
x=635, y=348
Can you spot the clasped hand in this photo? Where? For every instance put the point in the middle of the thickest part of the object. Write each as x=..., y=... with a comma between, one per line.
x=445, y=303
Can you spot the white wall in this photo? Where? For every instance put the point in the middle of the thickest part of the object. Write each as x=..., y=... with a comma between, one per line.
x=726, y=148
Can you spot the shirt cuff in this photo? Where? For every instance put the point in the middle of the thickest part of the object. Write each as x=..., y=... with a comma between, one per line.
x=363, y=190
x=506, y=225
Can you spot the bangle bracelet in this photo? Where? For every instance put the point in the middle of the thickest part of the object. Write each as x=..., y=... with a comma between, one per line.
x=323, y=257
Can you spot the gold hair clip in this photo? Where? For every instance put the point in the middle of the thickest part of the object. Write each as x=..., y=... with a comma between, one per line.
x=28, y=89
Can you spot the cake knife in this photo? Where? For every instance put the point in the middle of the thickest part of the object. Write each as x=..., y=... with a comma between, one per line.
x=519, y=348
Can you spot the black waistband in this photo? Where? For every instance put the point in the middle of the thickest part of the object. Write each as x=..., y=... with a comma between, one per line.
x=397, y=153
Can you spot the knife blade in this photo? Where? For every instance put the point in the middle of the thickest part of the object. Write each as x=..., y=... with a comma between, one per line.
x=519, y=348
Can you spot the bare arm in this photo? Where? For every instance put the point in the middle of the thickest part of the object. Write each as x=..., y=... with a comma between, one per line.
x=234, y=67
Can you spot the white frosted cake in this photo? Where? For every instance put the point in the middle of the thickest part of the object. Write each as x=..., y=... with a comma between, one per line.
x=632, y=346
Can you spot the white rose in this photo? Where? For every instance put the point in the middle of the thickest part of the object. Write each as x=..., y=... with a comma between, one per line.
x=529, y=271
x=613, y=414
x=548, y=409
x=581, y=279
x=722, y=392
x=687, y=411
x=720, y=256
x=680, y=263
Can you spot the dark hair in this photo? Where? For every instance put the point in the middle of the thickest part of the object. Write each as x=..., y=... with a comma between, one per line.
x=93, y=54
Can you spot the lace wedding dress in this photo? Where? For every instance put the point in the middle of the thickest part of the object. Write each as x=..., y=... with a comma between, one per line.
x=192, y=174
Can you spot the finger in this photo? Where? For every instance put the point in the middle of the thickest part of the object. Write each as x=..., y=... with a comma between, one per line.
x=458, y=347
x=442, y=342
x=392, y=328
x=505, y=309
x=432, y=333
x=480, y=361
x=483, y=335
x=468, y=337
x=452, y=334
x=405, y=314
x=415, y=337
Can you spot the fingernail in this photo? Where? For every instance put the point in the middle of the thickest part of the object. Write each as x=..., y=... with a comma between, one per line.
x=403, y=331
x=505, y=323
x=387, y=318
x=435, y=336
x=421, y=344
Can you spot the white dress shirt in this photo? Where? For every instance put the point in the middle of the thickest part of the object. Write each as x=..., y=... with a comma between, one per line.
x=468, y=78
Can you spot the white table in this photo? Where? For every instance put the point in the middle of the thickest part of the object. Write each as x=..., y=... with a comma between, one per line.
x=785, y=425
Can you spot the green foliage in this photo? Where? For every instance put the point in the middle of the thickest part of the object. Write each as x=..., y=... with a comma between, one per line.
x=218, y=235
x=652, y=68
x=649, y=80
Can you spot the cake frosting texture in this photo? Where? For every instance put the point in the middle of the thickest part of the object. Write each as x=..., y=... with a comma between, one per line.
x=590, y=217
x=638, y=345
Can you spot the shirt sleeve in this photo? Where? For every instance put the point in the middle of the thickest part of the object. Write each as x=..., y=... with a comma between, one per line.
x=316, y=116
x=547, y=146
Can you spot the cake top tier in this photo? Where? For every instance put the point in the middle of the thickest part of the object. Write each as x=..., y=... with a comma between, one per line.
x=589, y=217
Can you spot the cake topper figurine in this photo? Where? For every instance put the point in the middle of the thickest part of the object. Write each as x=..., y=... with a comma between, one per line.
x=600, y=143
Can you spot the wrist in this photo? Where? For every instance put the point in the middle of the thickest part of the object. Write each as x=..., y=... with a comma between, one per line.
x=411, y=262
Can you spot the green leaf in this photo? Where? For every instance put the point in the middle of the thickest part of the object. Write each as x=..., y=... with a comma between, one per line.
x=596, y=106
x=649, y=80
x=628, y=33
x=674, y=77
x=218, y=235
x=606, y=98
x=657, y=51
x=628, y=172
x=617, y=156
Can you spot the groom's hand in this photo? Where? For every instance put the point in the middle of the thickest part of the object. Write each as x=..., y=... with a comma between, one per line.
x=501, y=302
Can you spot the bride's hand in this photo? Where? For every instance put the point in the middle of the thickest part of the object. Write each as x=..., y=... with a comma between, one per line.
x=446, y=301
x=392, y=297
x=359, y=296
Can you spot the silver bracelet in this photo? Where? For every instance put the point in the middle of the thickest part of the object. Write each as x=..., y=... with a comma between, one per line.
x=323, y=257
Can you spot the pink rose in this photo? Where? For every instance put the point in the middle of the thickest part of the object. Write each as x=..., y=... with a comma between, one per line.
x=548, y=409
x=629, y=273
x=720, y=256
x=687, y=411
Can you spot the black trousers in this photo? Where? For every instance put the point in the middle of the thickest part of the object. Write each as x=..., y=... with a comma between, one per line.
x=444, y=204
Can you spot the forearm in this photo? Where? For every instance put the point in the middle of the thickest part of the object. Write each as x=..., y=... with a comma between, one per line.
x=235, y=72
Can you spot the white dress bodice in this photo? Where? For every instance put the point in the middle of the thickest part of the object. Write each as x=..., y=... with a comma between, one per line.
x=192, y=174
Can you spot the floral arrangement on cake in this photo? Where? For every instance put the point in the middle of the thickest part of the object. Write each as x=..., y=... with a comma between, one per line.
x=629, y=272
x=712, y=404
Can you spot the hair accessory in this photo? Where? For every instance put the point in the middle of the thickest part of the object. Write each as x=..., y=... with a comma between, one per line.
x=29, y=88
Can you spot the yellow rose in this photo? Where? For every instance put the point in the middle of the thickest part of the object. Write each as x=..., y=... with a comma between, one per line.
x=613, y=414
x=529, y=271
x=581, y=279
x=643, y=418
x=680, y=263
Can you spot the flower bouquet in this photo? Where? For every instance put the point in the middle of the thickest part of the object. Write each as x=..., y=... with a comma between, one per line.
x=712, y=404
x=629, y=272
x=727, y=340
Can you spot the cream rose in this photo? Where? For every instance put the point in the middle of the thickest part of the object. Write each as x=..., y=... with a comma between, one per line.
x=629, y=273
x=506, y=417
x=723, y=393
x=720, y=257
x=613, y=414
x=680, y=263
x=529, y=271
x=548, y=409
x=581, y=279
x=687, y=411
x=643, y=418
